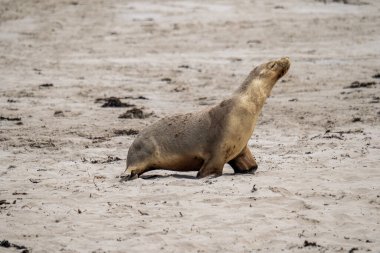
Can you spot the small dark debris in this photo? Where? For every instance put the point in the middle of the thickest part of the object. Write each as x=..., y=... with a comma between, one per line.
x=306, y=243
x=138, y=97
x=11, y=101
x=113, y=102
x=180, y=214
x=166, y=79
x=332, y=136
x=254, y=42
x=35, y=180
x=126, y=132
x=74, y=3
x=97, y=139
x=79, y=211
x=58, y=114
x=46, y=85
x=4, y=202
x=134, y=113
x=10, y=118
x=375, y=100
x=142, y=213
x=184, y=66
x=254, y=188
x=19, y=193
x=357, y=119
x=293, y=100
x=357, y=84
x=19, y=123
x=343, y=2
x=47, y=144
x=376, y=75
x=179, y=89
x=341, y=133
x=112, y=159
x=352, y=250
x=307, y=153
x=7, y=244
x=235, y=59
x=109, y=159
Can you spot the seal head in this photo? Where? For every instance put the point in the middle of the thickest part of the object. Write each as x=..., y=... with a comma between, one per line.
x=264, y=77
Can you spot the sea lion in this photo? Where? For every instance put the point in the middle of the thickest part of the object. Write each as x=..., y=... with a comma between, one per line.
x=204, y=141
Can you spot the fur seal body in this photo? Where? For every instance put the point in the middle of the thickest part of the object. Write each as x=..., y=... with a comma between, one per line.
x=204, y=141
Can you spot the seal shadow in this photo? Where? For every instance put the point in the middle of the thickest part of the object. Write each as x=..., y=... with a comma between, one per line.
x=182, y=176
x=155, y=176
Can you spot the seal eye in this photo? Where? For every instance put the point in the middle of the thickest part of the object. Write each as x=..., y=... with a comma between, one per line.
x=272, y=65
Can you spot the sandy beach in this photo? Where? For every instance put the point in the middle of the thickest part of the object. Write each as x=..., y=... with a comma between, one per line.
x=64, y=143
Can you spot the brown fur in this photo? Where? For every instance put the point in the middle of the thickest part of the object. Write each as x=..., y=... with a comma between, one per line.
x=204, y=141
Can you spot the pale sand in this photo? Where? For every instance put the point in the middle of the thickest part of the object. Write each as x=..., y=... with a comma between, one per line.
x=311, y=185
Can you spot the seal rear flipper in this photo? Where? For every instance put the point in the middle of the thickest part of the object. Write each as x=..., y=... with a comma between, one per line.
x=244, y=163
x=241, y=167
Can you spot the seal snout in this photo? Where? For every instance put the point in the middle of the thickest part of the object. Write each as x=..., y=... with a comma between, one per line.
x=284, y=64
x=284, y=61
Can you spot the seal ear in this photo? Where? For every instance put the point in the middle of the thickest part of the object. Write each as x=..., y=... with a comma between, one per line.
x=271, y=65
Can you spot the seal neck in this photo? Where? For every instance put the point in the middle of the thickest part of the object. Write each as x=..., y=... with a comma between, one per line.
x=253, y=92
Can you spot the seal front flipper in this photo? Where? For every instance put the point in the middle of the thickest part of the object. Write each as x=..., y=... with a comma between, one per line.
x=134, y=172
x=245, y=162
x=211, y=167
x=128, y=175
